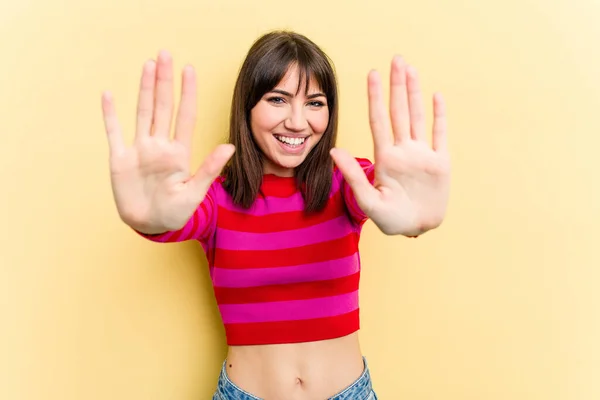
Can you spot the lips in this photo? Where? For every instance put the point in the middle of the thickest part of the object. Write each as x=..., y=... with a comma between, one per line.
x=292, y=144
x=291, y=141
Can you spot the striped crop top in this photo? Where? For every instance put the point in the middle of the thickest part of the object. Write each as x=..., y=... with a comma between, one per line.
x=280, y=276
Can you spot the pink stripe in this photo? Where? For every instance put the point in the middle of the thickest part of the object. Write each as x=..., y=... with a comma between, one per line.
x=239, y=278
x=289, y=310
x=329, y=230
x=269, y=205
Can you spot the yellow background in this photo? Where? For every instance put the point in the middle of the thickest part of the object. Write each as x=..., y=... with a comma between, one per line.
x=500, y=303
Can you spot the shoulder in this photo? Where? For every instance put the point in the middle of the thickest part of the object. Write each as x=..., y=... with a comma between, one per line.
x=217, y=189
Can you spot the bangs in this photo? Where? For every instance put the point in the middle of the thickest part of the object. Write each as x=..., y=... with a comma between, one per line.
x=272, y=67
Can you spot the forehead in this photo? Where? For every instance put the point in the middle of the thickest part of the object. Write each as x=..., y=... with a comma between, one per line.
x=295, y=82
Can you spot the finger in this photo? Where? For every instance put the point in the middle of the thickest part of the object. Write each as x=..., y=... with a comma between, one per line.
x=111, y=124
x=399, y=108
x=210, y=169
x=186, y=117
x=364, y=192
x=439, y=141
x=163, y=103
x=415, y=105
x=378, y=120
x=145, y=106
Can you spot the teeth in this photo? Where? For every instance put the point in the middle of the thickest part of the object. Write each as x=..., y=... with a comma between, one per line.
x=291, y=141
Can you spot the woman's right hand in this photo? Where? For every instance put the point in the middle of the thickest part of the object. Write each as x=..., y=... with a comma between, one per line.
x=152, y=186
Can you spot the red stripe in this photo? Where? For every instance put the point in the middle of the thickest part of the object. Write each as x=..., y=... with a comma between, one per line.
x=292, y=331
x=284, y=292
x=324, y=251
x=277, y=186
x=275, y=222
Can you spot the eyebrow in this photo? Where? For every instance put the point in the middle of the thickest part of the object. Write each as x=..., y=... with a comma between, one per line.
x=283, y=92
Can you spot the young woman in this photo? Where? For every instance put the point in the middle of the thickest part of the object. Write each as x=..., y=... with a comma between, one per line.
x=279, y=210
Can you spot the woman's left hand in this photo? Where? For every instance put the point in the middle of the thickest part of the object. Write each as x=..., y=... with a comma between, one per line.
x=412, y=179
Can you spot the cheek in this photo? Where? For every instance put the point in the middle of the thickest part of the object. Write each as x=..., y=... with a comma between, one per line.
x=263, y=120
x=319, y=122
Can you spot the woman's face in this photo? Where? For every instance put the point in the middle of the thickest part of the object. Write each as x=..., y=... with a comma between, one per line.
x=287, y=125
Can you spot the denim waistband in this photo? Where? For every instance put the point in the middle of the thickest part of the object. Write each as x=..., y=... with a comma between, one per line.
x=360, y=389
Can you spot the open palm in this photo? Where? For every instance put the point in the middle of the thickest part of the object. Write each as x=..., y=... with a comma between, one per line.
x=153, y=188
x=412, y=179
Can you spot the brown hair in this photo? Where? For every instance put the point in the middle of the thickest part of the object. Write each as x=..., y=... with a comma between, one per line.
x=265, y=65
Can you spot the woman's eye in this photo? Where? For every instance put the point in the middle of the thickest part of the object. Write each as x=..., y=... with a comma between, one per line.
x=316, y=104
x=276, y=100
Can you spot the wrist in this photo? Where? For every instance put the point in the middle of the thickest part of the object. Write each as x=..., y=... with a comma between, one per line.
x=146, y=228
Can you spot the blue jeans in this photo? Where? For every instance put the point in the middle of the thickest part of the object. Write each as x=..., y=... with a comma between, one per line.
x=361, y=389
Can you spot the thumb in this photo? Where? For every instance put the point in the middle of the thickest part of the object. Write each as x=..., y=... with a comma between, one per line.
x=364, y=193
x=210, y=169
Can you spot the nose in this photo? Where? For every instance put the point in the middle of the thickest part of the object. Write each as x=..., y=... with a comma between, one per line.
x=296, y=120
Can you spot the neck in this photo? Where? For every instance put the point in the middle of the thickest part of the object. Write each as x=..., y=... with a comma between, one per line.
x=270, y=168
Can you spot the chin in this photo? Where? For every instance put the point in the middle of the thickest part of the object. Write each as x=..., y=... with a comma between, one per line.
x=284, y=165
x=290, y=162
